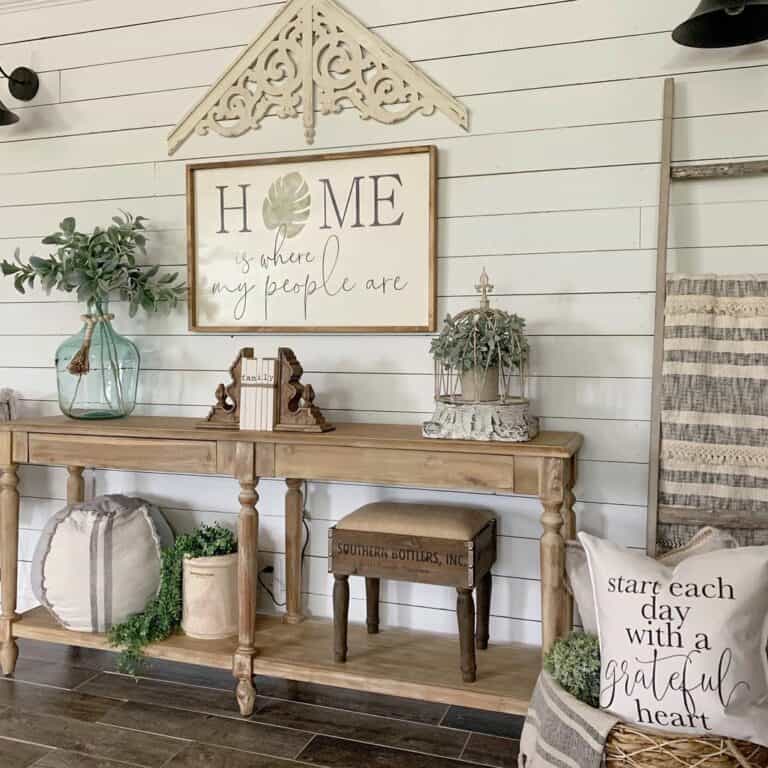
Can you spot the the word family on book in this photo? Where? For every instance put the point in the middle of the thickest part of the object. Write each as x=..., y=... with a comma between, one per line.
x=258, y=384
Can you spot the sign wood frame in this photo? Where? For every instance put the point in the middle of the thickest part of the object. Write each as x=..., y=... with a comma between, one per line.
x=276, y=250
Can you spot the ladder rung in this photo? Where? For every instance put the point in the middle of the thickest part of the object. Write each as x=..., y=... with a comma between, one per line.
x=720, y=170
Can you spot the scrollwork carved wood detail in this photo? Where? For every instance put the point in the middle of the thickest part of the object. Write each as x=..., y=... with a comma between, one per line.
x=315, y=51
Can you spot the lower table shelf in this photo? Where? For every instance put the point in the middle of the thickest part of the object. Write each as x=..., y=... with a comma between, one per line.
x=398, y=662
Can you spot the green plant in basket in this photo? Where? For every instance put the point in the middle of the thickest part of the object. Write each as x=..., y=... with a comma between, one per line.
x=162, y=616
x=574, y=663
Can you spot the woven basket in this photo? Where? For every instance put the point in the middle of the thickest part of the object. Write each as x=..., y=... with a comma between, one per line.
x=629, y=747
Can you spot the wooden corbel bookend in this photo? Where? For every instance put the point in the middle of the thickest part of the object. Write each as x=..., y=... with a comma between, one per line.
x=226, y=413
x=296, y=410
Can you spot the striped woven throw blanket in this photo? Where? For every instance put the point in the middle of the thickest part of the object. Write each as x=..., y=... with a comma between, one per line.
x=561, y=732
x=714, y=448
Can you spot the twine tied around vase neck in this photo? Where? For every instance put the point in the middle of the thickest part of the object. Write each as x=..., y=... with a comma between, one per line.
x=80, y=364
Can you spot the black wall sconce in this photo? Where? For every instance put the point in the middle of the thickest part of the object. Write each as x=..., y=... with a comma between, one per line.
x=23, y=84
x=724, y=23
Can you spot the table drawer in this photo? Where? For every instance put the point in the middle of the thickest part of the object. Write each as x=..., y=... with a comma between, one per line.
x=194, y=456
x=396, y=467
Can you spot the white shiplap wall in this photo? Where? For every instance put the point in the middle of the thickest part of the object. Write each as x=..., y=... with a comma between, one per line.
x=554, y=191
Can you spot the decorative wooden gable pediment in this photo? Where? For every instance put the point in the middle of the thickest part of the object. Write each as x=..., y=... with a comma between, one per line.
x=314, y=53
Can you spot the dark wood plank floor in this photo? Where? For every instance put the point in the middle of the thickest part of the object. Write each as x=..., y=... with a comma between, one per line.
x=69, y=708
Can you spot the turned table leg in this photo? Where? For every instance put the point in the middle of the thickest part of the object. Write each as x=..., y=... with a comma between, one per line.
x=9, y=536
x=294, y=535
x=75, y=485
x=247, y=547
x=552, y=550
x=569, y=534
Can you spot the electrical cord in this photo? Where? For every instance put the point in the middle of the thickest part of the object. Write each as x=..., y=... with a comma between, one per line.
x=9, y=78
x=270, y=569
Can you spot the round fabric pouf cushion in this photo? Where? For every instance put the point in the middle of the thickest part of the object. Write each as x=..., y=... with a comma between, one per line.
x=98, y=563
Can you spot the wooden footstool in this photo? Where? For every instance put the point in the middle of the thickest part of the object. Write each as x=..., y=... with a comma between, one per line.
x=429, y=544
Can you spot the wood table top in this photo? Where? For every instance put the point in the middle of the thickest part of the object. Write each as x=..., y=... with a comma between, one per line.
x=359, y=435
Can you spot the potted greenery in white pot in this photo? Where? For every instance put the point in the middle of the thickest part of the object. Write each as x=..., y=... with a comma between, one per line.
x=97, y=369
x=173, y=606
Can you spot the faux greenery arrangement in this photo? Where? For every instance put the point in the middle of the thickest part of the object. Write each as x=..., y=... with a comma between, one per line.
x=99, y=265
x=481, y=339
x=574, y=663
x=162, y=616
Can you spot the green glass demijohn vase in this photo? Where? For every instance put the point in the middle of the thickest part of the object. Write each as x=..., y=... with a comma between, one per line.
x=97, y=369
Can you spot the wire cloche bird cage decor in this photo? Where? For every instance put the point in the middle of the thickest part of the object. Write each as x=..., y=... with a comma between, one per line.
x=481, y=354
x=481, y=375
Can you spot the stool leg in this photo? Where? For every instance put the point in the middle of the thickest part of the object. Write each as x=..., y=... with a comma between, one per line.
x=465, y=611
x=340, y=617
x=484, y=611
x=372, y=588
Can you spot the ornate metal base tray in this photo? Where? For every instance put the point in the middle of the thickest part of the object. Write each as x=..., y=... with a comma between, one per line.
x=509, y=421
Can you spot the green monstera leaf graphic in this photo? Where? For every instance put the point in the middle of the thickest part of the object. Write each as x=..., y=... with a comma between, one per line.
x=287, y=204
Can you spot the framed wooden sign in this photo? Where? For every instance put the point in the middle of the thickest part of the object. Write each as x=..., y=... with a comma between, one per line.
x=329, y=243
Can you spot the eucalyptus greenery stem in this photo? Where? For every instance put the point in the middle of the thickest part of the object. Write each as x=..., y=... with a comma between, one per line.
x=75, y=392
x=100, y=331
x=98, y=266
x=481, y=339
x=162, y=615
x=114, y=362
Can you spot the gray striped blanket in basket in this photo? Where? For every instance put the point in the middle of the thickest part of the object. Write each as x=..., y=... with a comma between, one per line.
x=562, y=732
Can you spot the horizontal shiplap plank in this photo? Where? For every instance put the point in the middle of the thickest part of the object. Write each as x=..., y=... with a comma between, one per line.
x=502, y=630
x=473, y=195
x=447, y=34
x=595, y=356
x=512, y=597
x=99, y=18
x=588, y=148
x=711, y=96
x=617, y=58
x=586, y=62
x=104, y=183
x=712, y=225
x=560, y=397
x=580, y=189
x=546, y=232
x=519, y=517
x=735, y=260
x=512, y=274
x=609, y=314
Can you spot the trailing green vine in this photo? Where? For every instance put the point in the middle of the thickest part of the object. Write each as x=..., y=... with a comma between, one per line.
x=162, y=616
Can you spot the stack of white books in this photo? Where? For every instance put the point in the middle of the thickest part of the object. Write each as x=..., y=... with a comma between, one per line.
x=258, y=382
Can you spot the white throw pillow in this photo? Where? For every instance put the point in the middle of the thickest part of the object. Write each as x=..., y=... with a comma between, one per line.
x=706, y=540
x=683, y=649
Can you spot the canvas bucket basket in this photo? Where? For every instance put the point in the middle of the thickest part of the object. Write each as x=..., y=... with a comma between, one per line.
x=210, y=597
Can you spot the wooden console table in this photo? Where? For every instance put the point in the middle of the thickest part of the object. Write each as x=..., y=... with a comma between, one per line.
x=372, y=453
